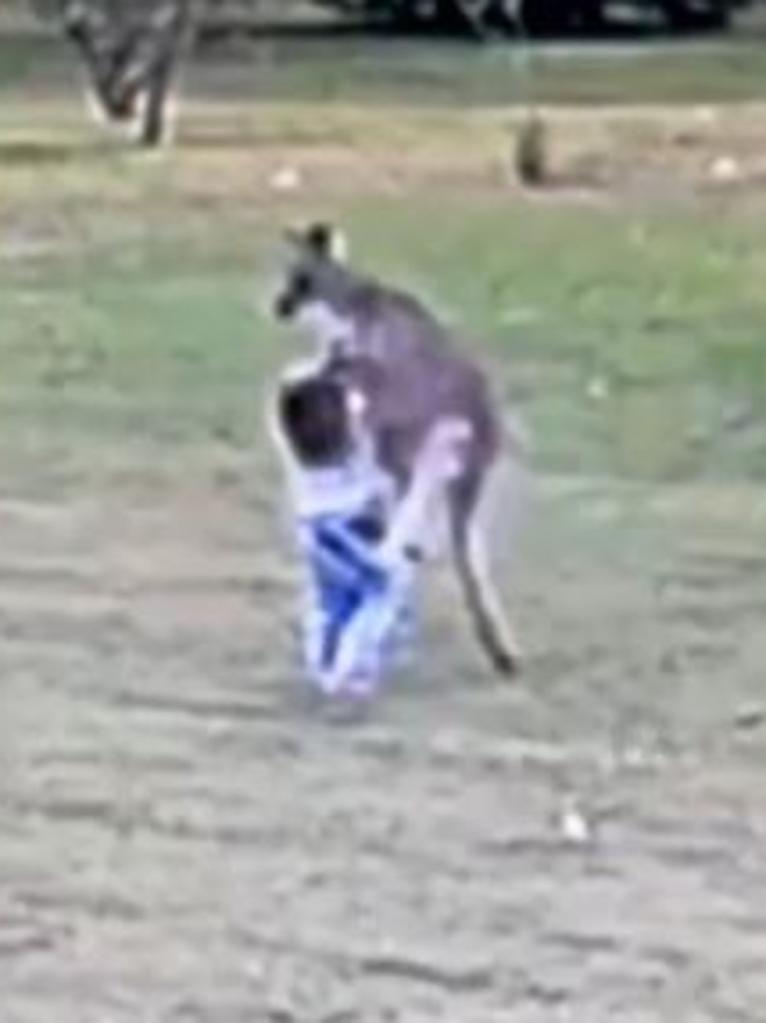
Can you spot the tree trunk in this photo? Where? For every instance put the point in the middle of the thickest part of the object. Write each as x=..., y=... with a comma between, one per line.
x=160, y=76
x=131, y=52
x=153, y=128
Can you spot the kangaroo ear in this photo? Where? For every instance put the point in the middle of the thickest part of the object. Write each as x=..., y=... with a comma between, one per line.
x=320, y=239
x=326, y=241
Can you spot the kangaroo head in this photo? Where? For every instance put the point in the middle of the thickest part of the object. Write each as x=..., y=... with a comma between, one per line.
x=318, y=287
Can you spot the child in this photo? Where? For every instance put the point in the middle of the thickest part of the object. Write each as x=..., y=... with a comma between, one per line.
x=361, y=543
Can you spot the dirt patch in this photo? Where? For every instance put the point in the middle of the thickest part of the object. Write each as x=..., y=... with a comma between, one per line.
x=230, y=158
x=182, y=841
x=661, y=152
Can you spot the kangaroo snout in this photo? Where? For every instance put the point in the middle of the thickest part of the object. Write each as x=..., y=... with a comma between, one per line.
x=284, y=306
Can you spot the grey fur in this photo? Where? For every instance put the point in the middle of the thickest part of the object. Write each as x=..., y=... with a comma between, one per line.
x=391, y=349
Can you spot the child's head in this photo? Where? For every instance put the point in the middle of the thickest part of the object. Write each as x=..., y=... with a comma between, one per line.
x=314, y=416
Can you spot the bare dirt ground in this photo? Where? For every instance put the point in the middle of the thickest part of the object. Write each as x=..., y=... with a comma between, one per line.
x=182, y=841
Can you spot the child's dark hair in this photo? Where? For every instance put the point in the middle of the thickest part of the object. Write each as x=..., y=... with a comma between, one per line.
x=313, y=416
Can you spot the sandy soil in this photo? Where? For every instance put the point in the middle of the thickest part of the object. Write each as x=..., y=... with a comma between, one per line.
x=182, y=841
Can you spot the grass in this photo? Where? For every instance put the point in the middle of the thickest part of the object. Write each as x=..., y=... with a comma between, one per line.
x=133, y=287
x=630, y=345
x=499, y=74
x=382, y=71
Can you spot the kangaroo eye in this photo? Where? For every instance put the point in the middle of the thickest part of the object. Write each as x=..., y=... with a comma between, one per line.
x=302, y=286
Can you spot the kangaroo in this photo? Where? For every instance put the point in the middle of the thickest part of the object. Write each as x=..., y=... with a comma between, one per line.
x=401, y=362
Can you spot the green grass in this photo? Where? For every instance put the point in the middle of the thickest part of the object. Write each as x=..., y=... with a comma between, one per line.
x=436, y=73
x=497, y=75
x=132, y=289
x=662, y=312
x=634, y=347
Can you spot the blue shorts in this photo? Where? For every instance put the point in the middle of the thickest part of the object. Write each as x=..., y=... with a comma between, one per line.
x=359, y=607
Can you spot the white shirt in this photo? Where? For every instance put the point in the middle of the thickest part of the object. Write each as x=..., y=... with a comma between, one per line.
x=346, y=489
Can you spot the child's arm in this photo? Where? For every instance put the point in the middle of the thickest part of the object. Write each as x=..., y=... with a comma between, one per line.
x=360, y=655
x=438, y=462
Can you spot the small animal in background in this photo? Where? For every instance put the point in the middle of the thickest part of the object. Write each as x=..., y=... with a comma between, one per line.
x=361, y=548
x=392, y=352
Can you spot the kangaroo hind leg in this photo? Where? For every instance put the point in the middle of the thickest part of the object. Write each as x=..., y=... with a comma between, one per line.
x=494, y=634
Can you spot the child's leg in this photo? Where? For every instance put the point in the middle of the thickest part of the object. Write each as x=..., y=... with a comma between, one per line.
x=325, y=619
x=367, y=642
